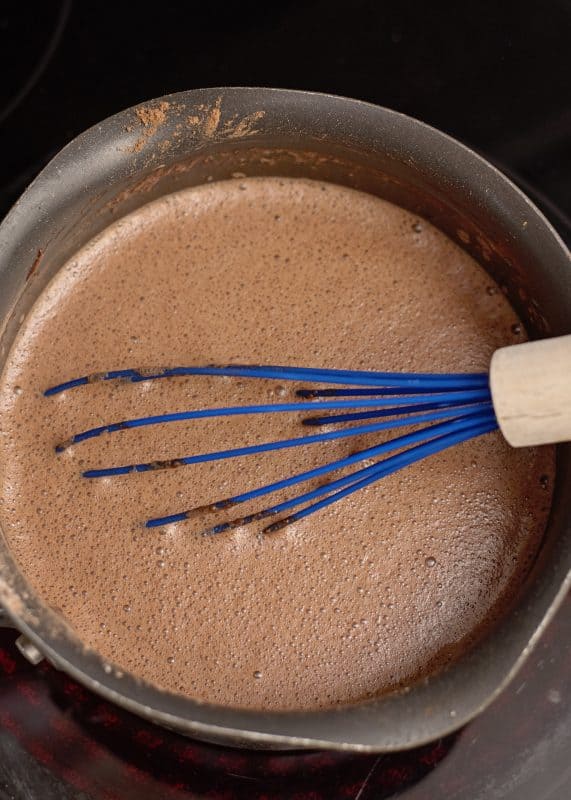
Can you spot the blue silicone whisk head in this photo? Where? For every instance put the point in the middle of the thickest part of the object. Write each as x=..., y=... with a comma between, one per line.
x=443, y=409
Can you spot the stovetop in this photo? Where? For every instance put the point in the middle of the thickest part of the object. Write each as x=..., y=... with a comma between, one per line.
x=494, y=75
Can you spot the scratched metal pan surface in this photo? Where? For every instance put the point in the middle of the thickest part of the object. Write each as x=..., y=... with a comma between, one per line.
x=191, y=137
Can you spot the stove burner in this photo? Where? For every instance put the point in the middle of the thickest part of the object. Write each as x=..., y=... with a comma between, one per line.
x=50, y=723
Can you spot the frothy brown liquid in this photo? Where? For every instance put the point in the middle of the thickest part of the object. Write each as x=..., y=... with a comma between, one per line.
x=364, y=596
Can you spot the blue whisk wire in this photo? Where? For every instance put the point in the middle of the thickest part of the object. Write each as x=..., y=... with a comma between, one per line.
x=450, y=398
x=360, y=430
x=347, y=377
x=336, y=419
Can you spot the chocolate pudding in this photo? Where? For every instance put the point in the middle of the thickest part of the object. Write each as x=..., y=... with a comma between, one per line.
x=367, y=595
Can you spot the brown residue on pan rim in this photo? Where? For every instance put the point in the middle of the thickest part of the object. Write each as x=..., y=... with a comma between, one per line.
x=211, y=119
x=207, y=121
x=151, y=118
x=35, y=264
x=224, y=160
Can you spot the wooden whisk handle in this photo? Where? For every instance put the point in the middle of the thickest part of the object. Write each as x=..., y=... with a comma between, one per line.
x=531, y=391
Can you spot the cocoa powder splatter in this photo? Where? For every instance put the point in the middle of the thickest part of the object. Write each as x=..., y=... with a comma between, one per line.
x=151, y=117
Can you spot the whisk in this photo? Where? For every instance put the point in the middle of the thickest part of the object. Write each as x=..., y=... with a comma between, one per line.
x=527, y=396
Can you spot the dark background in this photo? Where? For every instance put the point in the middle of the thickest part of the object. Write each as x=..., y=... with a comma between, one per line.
x=493, y=74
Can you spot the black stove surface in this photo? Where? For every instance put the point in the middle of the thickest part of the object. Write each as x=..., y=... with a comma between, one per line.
x=494, y=75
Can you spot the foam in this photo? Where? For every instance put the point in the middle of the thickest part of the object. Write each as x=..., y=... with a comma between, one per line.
x=361, y=598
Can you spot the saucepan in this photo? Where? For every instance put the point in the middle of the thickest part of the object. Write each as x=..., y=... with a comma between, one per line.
x=192, y=137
